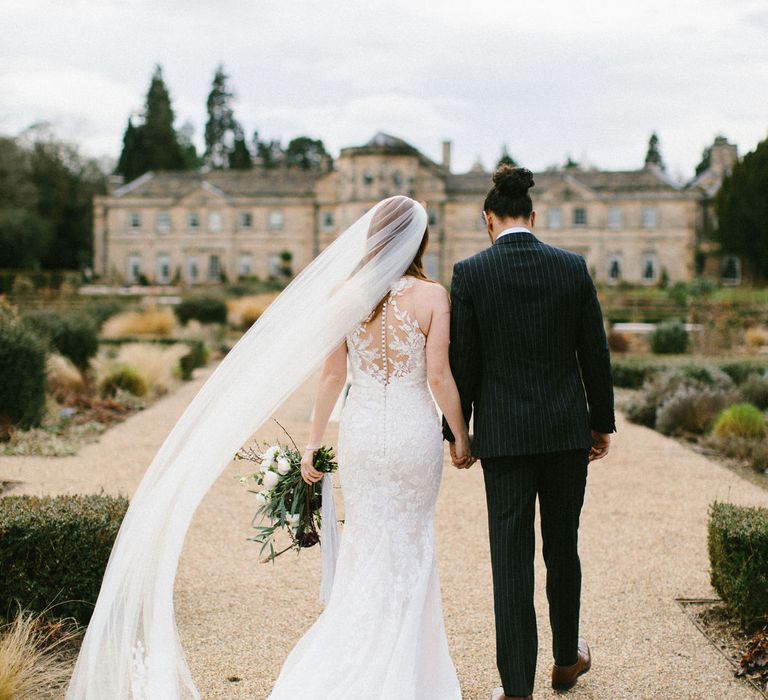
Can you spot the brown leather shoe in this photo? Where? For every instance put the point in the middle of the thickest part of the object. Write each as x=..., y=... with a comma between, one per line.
x=565, y=677
x=498, y=694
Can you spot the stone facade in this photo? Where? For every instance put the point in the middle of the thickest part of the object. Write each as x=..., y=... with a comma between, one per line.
x=196, y=228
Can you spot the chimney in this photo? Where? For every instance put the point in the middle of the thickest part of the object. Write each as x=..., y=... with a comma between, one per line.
x=723, y=156
x=447, y=155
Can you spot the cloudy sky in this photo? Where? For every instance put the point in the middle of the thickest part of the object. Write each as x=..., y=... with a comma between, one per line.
x=549, y=78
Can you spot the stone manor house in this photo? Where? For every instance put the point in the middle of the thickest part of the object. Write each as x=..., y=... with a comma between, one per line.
x=199, y=228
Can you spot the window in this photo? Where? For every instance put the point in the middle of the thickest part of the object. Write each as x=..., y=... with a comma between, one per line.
x=193, y=270
x=432, y=265
x=614, y=268
x=275, y=264
x=275, y=219
x=397, y=179
x=246, y=220
x=649, y=217
x=368, y=178
x=214, y=268
x=163, y=269
x=579, y=216
x=163, y=222
x=432, y=217
x=615, y=217
x=649, y=267
x=134, y=268
x=327, y=219
x=244, y=265
x=193, y=221
x=214, y=221
x=134, y=221
x=554, y=217
x=730, y=270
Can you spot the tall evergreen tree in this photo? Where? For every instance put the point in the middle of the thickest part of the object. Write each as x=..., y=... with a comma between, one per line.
x=240, y=156
x=653, y=156
x=269, y=154
x=742, y=211
x=221, y=125
x=160, y=141
x=132, y=159
x=506, y=158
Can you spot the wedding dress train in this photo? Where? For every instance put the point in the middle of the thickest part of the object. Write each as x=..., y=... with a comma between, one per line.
x=382, y=635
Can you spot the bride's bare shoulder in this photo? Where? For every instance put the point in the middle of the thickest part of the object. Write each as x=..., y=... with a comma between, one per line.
x=430, y=291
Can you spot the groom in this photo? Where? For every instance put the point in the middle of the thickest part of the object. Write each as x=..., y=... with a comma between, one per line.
x=530, y=358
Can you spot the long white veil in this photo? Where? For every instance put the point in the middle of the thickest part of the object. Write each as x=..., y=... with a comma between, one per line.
x=132, y=647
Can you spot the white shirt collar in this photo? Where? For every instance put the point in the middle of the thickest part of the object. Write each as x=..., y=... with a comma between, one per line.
x=514, y=229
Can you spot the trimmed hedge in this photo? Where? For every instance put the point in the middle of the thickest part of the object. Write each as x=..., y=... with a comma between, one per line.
x=632, y=374
x=74, y=335
x=203, y=309
x=740, y=370
x=22, y=377
x=54, y=550
x=669, y=338
x=738, y=556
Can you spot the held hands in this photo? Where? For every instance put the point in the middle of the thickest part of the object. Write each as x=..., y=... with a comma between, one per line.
x=461, y=452
x=308, y=471
x=601, y=443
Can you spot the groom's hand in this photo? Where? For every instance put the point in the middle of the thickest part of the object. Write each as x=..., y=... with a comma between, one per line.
x=601, y=443
x=461, y=456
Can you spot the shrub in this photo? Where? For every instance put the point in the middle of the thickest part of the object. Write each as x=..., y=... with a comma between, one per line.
x=203, y=309
x=22, y=378
x=691, y=409
x=740, y=370
x=54, y=550
x=126, y=378
x=750, y=450
x=103, y=310
x=756, y=338
x=196, y=357
x=31, y=665
x=741, y=420
x=669, y=338
x=738, y=557
x=74, y=335
x=632, y=374
x=659, y=388
x=618, y=342
x=157, y=322
x=755, y=390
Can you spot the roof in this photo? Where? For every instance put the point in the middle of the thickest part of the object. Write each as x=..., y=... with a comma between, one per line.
x=650, y=179
x=232, y=183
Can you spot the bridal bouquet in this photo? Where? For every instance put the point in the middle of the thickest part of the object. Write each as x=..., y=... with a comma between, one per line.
x=285, y=501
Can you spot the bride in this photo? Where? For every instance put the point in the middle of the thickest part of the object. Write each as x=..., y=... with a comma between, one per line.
x=365, y=299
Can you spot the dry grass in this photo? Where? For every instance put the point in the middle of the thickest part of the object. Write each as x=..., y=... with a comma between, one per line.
x=756, y=338
x=32, y=664
x=156, y=363
x=245, y=311
x=64, y=381
x=153, y=322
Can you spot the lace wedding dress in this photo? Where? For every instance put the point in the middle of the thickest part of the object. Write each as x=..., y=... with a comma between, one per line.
x=382, y=635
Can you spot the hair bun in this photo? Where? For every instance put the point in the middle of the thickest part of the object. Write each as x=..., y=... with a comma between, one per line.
x=511, y=181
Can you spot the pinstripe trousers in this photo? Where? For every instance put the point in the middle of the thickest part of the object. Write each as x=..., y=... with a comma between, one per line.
x=511, y=487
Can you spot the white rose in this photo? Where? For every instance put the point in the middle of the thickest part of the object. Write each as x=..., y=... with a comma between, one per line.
x=283, y=466
x=292, y=519
x=261, y=497
x=270, y=480
x=266, y=465
x=272, y=453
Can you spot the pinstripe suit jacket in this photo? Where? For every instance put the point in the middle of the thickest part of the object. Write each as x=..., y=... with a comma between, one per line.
x=528, y=349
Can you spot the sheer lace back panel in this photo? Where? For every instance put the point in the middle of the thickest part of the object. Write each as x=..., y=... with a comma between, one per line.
x=389, y=346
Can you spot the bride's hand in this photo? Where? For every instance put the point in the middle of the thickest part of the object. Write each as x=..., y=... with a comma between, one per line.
x=308, y=471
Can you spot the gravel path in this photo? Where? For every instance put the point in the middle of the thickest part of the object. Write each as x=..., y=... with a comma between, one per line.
x=643, y=544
